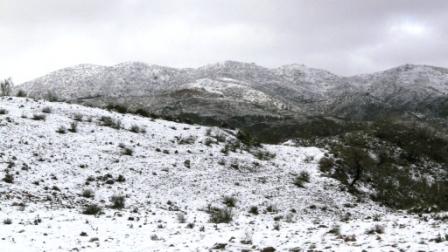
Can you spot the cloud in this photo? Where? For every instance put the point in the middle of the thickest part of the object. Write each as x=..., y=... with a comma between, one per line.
x=345, y=36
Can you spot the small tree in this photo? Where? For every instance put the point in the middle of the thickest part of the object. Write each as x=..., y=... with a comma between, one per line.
x=6, y=87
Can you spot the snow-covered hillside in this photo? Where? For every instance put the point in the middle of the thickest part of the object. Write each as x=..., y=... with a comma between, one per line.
x=56, y=159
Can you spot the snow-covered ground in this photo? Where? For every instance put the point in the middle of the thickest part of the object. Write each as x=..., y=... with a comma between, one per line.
x=175, y=171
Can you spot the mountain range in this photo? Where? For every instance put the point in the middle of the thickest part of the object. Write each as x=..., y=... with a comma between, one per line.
x=236, y=92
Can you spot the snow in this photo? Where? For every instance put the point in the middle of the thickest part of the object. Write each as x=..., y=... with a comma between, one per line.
x=159, y=187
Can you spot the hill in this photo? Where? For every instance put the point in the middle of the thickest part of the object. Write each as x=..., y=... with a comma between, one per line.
x=76, y=178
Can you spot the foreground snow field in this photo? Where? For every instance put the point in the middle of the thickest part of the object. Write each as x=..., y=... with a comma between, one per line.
x=169, y=174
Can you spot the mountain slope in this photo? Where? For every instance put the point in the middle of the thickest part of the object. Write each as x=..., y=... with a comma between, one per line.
x=247, y=95
x=168, y=174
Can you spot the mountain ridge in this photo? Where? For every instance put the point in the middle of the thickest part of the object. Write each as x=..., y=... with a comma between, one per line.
x=231, y=88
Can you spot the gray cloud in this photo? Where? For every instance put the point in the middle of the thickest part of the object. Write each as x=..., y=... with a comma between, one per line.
x=345, y=36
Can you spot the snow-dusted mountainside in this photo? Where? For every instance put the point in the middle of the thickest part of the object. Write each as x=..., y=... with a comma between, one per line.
x=232, y=88
x=408, y=88
x=56, y=159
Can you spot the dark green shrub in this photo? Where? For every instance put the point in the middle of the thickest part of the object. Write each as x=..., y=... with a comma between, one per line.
x=73, y=127
x=325, y=164
x=21, y=93
x=301, y=179
x=253, y=210
x=46, y=110
x=39, y=117
x=118, y=202
x=61, y=130
x=88, y=193
x=220, y=215
x=9, y=178
x=92, y=209
x=229, y=201
x=110, y=122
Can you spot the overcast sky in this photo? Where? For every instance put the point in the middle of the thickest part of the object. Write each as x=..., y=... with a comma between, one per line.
x=344, y=36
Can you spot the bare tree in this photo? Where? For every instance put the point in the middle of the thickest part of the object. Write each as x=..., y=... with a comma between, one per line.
x=6, y=87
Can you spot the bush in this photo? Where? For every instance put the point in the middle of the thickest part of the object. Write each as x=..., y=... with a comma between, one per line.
x=229, y=201
x=264, y=155
x=21, y=93
x=7, y=221
x=121, y=178
x=51, y=96
x=247, y=139
x=61, y=130
x=120, y=108
x=46, y=110
x=118, y=202
x=187, y=140
x=9, y=178
x=73, y=127
x=253, y=210
x=88, y=193
x=325, y=164
x=92, y=209
x=39, y=117
x=110, y=122
x=301, y=179
x=127, y=151
x=77, y=117
x=142, y=112
x=220, y=215
x=3, y=111
x=137, y=129
x=377, y=229
x=181, y=218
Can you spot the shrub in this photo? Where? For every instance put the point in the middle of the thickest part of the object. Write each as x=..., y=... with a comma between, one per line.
x=187, y=140
x=9, y=178
x=253, y=210
x=336, y=230
x=246, y=138
x=118, y=202
x=39, y=117
x=120, y=108
x=220, y=215
x=127, y=151
x=61, y=130
x=51, y=96
x=142, y=112
x=301, y=179
x=7, y=221
x=377, y=229
x=137, y=129
x=229, y=201
x=181, y=218
x=21, y=93
x=264, y=155
x=88, y=193
x=77, y=117
x=325, y=164
x=121, y=178
x=92, y=209
x=110, y=122
x=73, y=127
x=3, y=111
x=46, y=110
x=208, y=141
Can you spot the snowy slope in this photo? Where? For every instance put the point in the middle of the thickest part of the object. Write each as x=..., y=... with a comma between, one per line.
x=50, y=171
